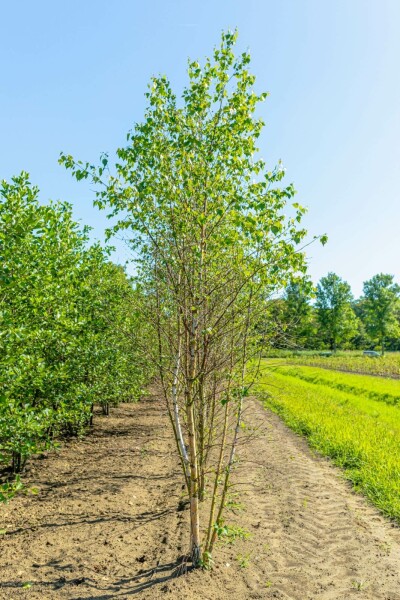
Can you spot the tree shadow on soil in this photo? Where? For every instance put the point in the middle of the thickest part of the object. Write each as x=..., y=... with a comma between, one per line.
x=139, y=520
x=155, y=576
x=129, y=586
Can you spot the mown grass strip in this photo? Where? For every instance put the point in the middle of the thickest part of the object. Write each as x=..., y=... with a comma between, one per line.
x=380, y=389
x=361, y=435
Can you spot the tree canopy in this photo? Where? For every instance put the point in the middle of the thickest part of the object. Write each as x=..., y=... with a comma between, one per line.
x=213, y=238
x=334, y=310
x=381, y=305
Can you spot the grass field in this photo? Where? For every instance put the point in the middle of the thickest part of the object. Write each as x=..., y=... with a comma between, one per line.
x=376, y=388
x=354, y=419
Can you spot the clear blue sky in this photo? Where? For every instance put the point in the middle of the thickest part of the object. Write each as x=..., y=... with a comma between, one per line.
x=73, y=77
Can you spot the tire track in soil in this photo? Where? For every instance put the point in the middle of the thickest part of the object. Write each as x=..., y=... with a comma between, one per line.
x=322, y=540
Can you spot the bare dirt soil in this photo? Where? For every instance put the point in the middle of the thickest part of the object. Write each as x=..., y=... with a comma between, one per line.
x=108, y=521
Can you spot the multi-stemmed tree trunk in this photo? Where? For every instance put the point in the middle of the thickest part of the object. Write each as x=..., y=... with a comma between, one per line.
x=212, y=243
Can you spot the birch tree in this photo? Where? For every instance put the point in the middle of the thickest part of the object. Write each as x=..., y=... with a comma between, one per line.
x=213, y=238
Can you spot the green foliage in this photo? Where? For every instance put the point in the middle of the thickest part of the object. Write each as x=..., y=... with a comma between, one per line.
x=289, y=322
x=8, y=490
x=381, y=304
x=294, y=323
x=69, y=323
x=230, y=533
x=335, y=314
x=244, y=560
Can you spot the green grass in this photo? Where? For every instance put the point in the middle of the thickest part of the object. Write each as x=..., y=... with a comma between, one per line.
x=360, y=434
x=375, y=388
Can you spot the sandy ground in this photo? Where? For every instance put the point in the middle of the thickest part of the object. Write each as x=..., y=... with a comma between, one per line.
x=108, y=521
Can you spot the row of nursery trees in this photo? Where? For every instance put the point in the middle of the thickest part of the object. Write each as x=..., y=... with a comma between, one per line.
x=68, y=327
x=330, y=317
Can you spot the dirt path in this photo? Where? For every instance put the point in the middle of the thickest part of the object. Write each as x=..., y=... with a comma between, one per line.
x=108, y=522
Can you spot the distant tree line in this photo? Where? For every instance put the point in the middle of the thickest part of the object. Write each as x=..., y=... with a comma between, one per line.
x=329, y=317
